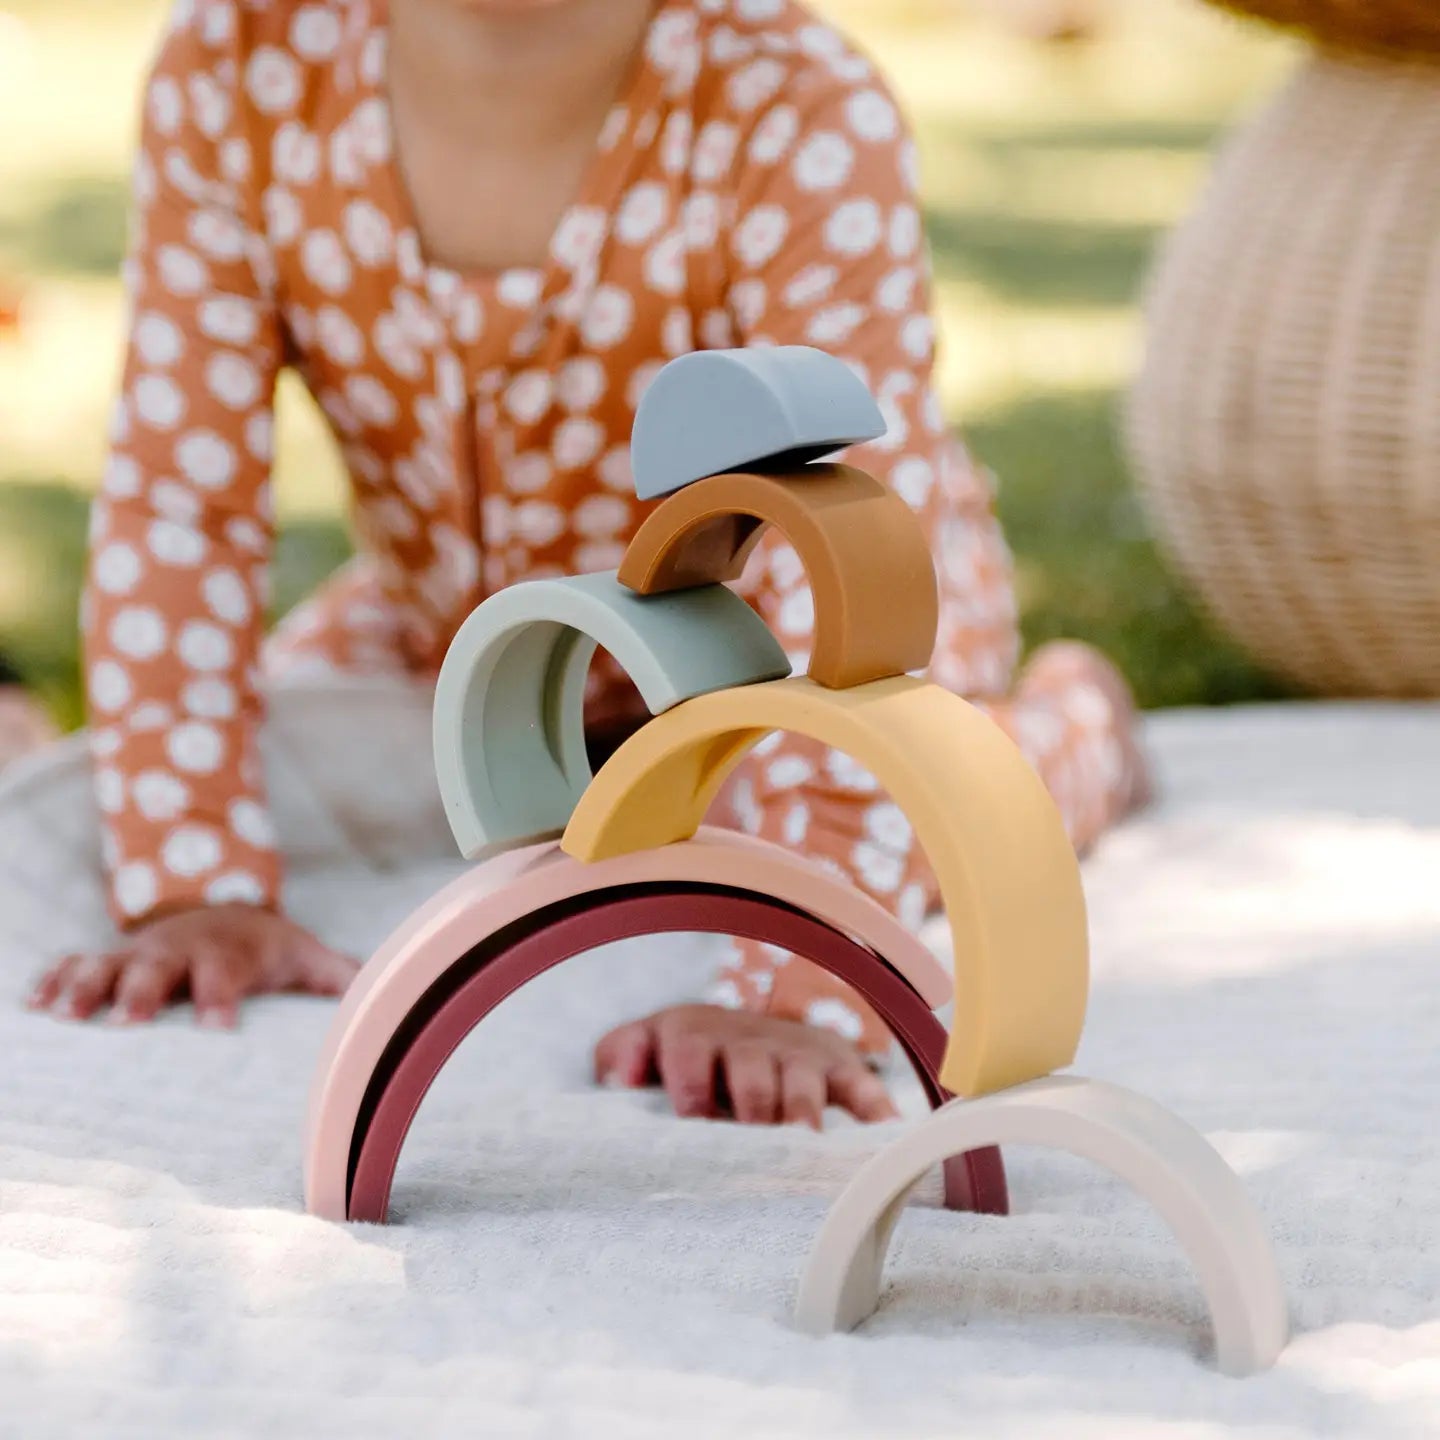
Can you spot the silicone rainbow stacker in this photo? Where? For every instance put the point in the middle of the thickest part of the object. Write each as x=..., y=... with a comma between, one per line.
x=569, y=861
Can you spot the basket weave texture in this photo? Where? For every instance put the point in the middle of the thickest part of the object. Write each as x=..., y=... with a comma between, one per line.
x=1404, y=26
x=1285, y=424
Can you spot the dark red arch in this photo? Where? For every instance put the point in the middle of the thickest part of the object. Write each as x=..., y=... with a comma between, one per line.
x=480, y=981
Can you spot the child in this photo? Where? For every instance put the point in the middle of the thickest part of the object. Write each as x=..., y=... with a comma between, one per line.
x=477, y=228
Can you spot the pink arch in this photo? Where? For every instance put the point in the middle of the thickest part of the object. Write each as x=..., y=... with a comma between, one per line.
x=516, y=884
x=484, y=979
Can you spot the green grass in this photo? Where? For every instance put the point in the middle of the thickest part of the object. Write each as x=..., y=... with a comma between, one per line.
x=1050, y=173
x=1085, y=565
x=71, y=226
x=42, y=553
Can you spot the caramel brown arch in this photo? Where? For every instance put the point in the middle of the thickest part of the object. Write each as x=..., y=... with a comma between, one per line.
x=866, y=555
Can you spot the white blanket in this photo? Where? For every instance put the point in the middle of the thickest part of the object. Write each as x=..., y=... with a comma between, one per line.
x=570, y=1262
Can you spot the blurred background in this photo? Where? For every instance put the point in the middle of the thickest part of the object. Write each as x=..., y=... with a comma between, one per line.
x=1061, y=139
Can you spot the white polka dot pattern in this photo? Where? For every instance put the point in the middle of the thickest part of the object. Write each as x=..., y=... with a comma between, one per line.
x=755, y=186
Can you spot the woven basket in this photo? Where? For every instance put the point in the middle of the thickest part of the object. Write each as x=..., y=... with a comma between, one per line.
x=1402, y=26
x=1286, y=421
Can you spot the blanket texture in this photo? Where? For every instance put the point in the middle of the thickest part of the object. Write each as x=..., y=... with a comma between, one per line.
x=567, y=1262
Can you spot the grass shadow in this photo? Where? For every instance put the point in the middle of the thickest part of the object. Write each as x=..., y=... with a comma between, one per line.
x=1002, y=143
x=305, y=553
x=73, y=226
x=985, y=234
x=1087, y=565
x=1042, y=262
x=42, y=541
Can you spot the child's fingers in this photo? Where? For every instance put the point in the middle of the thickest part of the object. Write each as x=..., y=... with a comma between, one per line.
x=752, y=1078
x=862, y=1092
x=626, y=1056
x=145, y=986
x=91, y=984
x=802, y=1091
x=687, y=1070
x=49, y=986
x=215, y=989
x=321, y=970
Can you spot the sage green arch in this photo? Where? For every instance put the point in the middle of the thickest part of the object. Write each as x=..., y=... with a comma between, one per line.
x=509, y=731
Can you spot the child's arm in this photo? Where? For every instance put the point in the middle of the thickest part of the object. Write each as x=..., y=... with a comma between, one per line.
x=828, y=250
x=180, y=544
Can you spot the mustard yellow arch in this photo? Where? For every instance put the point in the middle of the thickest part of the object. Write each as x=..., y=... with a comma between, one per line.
x=1007, y=874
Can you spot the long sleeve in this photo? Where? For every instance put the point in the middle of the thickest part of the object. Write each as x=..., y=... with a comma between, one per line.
x=827, y=250
x=181, y=532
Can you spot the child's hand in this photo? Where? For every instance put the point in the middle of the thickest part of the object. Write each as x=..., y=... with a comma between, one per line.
x=761, y=1070
x=216, y=955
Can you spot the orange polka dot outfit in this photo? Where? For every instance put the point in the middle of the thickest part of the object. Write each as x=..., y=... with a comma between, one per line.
x=754, y=184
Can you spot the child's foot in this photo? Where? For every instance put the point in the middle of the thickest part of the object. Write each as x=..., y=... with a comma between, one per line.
x=1064, y=667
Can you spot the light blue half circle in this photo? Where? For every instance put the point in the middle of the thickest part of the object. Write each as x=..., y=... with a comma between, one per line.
x=715, y=411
